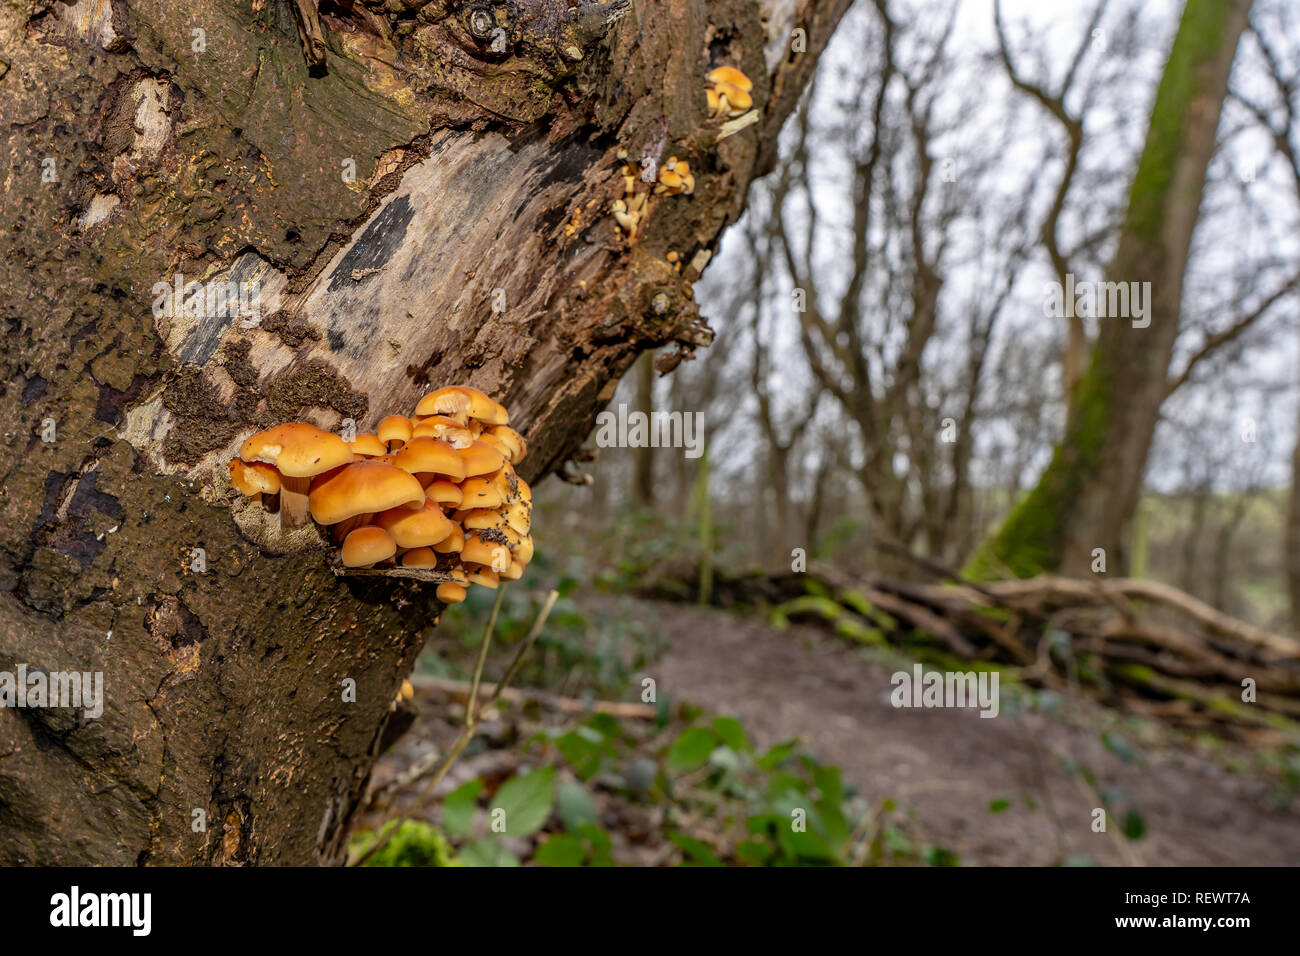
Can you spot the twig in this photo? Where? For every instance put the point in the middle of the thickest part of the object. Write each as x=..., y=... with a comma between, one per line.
x=310, y=31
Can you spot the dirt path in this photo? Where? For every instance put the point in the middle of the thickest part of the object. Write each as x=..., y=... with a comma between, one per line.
x=949, y=764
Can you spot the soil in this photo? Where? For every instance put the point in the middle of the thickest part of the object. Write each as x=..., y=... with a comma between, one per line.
x=950, y=764
x=945, y=767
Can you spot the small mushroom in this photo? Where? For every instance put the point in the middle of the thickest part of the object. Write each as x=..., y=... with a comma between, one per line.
x=453, y=542
x=480, y=458
x=420, y=558
x=299, y=452
x=415, y=529
x=451, y=593
x=462, y=403
x=367, y=545
x=254, y=479
x=512, y=440
x=363, y=487
x=480, y=492
x=728, y=91
x=444, y=493
x=488, y=548
x=369, y=445
x=394, y=431
x=431, y=456
x=444, y=429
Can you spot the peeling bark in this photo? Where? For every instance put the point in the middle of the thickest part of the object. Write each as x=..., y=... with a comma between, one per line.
x=137, y=149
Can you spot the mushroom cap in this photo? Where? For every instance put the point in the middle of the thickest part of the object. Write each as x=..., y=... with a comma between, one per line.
x=731, y=76
x=425, y=455
x=254, y=477
x=480, y=518
x=368, y=443
x=484, y=576
x=735, y=96
x=451, y=593
x=480, y=458
x=444, y=492
x=297, y=449
x=487, y=548
x=419, y=558
x=518, y=515
x=512, y=440
x=514, y=572
x=367, y=545
x=447, y=429
x=360, y=488
x=480, y=492
x=453, y=542
x=525, y=492
x=670, y=179
x=496, y=443
x=461, y=402
x=711, y=95
x=415, y=529
x=524, y=552
x=394, y=428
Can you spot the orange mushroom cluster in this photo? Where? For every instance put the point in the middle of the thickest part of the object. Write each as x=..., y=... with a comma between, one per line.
x=435, y=491
x=673, y=178
x=728, y=91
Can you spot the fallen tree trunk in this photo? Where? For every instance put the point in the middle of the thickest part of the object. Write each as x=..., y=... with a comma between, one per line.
x=1121, y=638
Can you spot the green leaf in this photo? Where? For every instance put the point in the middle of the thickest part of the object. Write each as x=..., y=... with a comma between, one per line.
x=1135, y=827
x=576, y=807
x=999, y=804
x=527, y=801
x=753, y=852
x=696, y=852
x=776, y=756
x=941, y=856
x=486, y=852
x=562, y=849
x=597, y=837
x=458, y=808
x=692, y=748
x=827, y=779
x=731, y=732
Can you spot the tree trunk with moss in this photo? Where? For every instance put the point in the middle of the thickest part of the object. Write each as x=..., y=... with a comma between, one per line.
x=1086, y=498
x=410, y=193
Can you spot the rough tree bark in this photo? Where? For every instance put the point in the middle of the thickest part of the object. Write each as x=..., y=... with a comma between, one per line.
x=1086, y=498
x=143, y=139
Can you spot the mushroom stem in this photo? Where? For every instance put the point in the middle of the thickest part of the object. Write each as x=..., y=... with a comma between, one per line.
x=348, y=525
x=293, y=501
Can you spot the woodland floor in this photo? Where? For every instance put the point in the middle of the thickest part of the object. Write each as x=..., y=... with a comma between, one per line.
x=947, y=766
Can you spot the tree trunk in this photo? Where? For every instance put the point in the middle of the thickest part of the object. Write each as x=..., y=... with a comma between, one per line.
x=419, y=209
x=1086, y=498
x=1292, y=549
x=643, y=476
